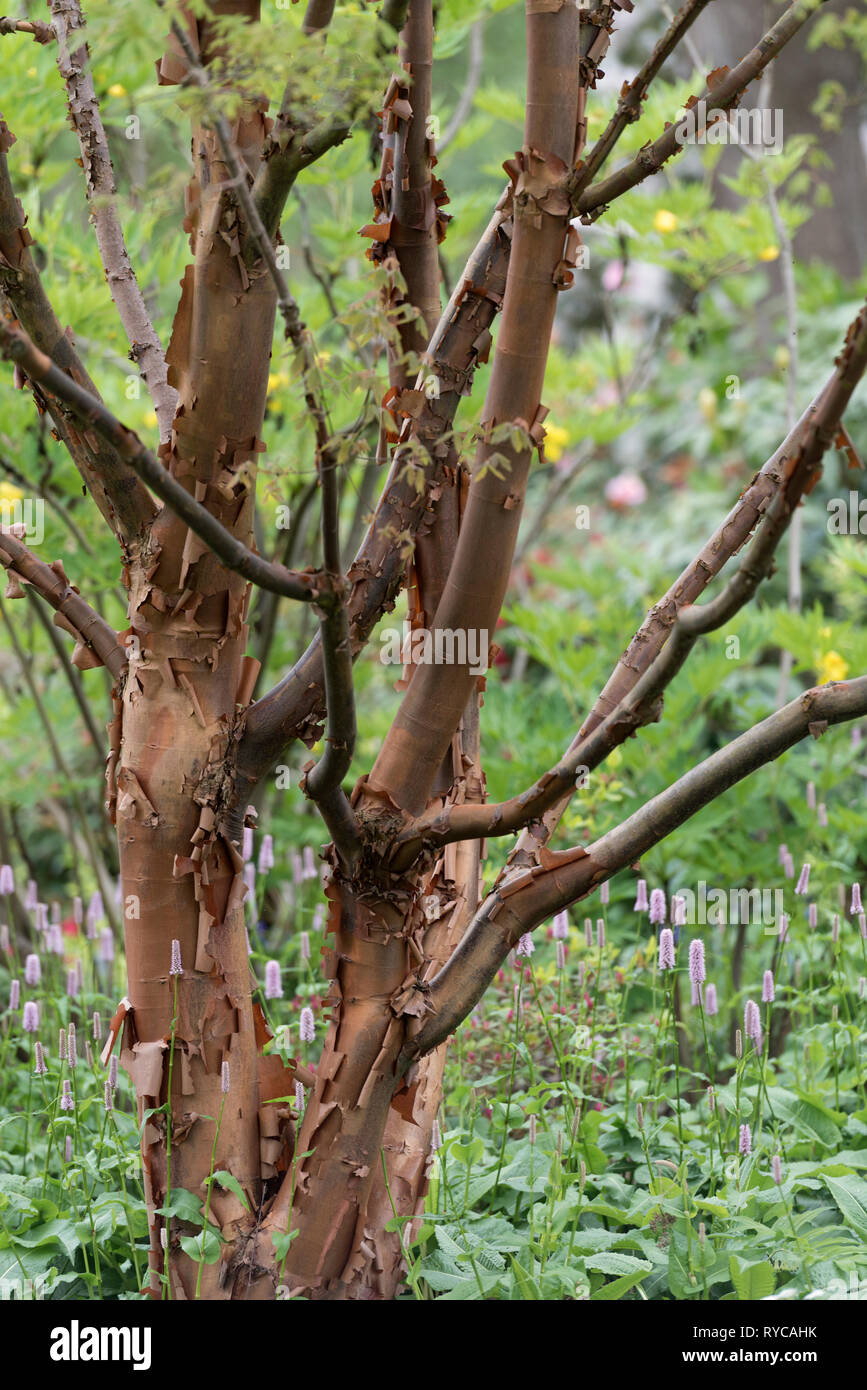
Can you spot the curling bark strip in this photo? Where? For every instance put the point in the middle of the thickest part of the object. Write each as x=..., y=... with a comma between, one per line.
x=409, y=226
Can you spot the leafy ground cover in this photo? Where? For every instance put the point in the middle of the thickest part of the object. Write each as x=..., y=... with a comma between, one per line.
x=612, y=1127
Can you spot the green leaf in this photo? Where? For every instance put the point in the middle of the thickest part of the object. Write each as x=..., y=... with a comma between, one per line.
x=205, y=1246
x=611, y=1262
x=57, y=1232
x=752, y=1281
x=282, y=1242
x=468, y=1153
x=447, y=1243
x=528, y=1286
x=618, y=1287
x=816, y=1122
x=186, y=1206
x=850, y=1194
x=231, y=1183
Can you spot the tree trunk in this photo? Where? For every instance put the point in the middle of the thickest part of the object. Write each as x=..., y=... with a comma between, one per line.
x=181, y=876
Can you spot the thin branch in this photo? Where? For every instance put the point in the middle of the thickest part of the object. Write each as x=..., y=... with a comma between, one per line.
x=73, y=680
x=309, y=260
x=672, y=627
x=16, y=346
x=120, y=497
x=145, y=346
x=318, y=16
x=471, y=85
x=281, y=165
x=56, y=753
x=531, y=896
x=42, y=33
x=51, y=583
x=633, y=93
x=721, y=95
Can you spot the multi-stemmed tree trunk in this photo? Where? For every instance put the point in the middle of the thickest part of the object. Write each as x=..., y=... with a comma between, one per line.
x=412, y=947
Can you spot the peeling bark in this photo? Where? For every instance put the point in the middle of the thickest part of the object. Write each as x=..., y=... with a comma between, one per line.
x=179, y=727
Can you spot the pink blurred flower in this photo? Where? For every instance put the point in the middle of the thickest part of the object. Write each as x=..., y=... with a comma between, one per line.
x=612, y=276
x=625, y=490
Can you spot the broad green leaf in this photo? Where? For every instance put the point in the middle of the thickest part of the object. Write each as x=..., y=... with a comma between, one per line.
x=752, y=1281
x=227, y=1180
x=850, y=1194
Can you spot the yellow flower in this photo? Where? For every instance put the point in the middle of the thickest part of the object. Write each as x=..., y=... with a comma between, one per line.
x=276, y=379
x=665, y=221
x=707, y=404
x=9, y=492
x=556, y=439
x=832, y=667
x=150, y=417
x=770, y=253
x=117, y=90
x=31, y=72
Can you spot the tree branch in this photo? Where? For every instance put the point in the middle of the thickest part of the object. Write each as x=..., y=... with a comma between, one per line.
x=15, y=345
x=119, y=495
x=512, y=416
x=293, y=709
x=281, y=166
x=51, y=583
x=633, y=93
x=145, y=346
x=406, y=197
x=723, y=94
x=531, y=896
x=672, y=627
x=471, y=85
x=42, y=33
